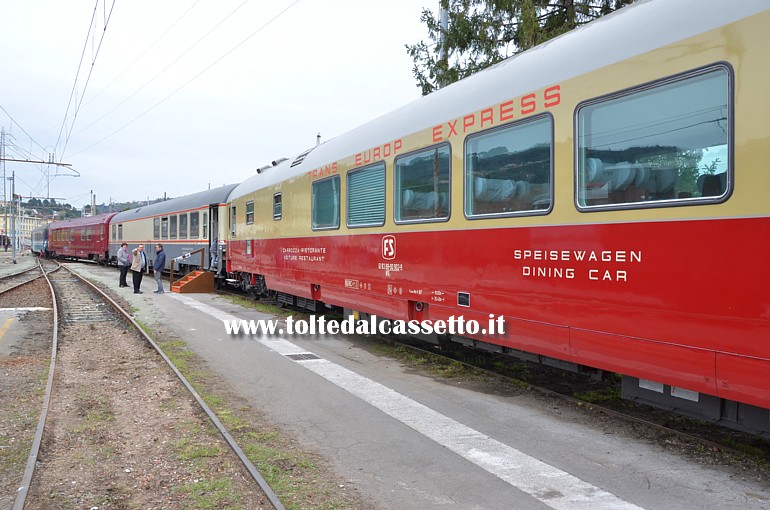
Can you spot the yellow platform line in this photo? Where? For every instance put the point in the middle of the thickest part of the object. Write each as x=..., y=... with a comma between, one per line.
x=5, y=326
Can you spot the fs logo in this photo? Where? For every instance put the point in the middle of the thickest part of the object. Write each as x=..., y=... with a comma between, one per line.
x=388, y=247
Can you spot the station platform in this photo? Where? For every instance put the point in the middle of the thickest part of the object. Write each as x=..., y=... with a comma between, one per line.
x=409, y=441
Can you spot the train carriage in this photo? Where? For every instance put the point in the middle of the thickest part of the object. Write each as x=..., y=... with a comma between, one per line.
x=605, y=193
x=80, y=238
x=40, y=241
x=182, y=225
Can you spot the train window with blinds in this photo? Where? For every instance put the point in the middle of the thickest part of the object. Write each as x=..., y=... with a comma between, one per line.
x=164, y=228
x=172, y=226
x=509, y=170
x=666, y=143
x=156, y=228
x=326, y=203
x=194, y=225
x=120, y=232
x=250, y=212
x=183, y=226
x=422, y=185
x=366, y=197
x=277, y=206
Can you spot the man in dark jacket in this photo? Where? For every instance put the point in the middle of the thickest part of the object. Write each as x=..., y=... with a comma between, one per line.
x=158, y=265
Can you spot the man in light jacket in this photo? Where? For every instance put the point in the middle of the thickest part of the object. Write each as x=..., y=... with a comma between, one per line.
x=123, y=264
x=138, y=267
x=158, y=265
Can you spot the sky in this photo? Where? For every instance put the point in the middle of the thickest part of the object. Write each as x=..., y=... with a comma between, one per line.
x=179, y=95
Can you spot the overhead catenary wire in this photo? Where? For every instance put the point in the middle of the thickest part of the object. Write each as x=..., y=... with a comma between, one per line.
x=88, y=78
x=80, y=65
x=215, y=62
x=162, y=71
x=146, y=50
x=20, y=127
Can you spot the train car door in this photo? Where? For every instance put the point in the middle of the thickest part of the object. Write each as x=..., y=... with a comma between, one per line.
x=213, y=236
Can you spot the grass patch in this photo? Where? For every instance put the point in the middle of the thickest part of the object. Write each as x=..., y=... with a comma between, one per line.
x=189, y=450
x=260, y=306
x=610, y=394
x=216, y=493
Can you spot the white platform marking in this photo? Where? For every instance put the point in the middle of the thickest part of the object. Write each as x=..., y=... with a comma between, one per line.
x=549, y=485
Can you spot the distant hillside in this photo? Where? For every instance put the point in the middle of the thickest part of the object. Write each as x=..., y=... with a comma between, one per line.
x=51, y=209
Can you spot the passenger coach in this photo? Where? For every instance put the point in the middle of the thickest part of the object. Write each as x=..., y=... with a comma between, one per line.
x=182, y=225
x=80, y=238
x=605, y=192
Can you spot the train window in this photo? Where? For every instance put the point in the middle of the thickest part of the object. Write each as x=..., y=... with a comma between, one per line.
x=172, y=227
x=509, y=170
x=183, y=226
x=120, y=232
x=194, y=226
x=205, y=225
x=164, y=228
x=82, y=234
x=326, y=203
x=422, y=185
x=156, y=228
x=114, y=232
x=233, y=219
x=277, y=206
x=661, y=144
x=250, y=212
x=89, y=233
x=366, y=197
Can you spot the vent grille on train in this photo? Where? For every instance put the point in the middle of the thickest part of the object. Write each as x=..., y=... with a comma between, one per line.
x=299, y=159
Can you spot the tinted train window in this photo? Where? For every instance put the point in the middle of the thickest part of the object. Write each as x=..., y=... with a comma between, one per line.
x=205, y=225
x=509, y=170
x=366, y=197
x=422, y=185
x=164, y=228
x=114, y=232
x=120, y=232
x=658, y=145
x=194, y=225
x=326, y=203
x=183, y=226
x=277, y=206
x=156, y=228
x=172, y=227
x=250, y=212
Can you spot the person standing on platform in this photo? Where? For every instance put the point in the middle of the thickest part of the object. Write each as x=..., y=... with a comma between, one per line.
x=138, y=267
x=158, y=265
x=123, y=264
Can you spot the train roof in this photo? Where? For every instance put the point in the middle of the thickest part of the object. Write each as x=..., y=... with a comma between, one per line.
x=86, y=221
x=196, y=200
x=632, y=30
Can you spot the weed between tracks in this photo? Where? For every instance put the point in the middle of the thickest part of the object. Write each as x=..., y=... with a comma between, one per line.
x=299, y=479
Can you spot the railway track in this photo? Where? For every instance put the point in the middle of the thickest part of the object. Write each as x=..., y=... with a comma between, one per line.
x=101, y=426
x=16, y=279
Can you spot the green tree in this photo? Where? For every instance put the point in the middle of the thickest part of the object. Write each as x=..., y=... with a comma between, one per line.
x=483, y=32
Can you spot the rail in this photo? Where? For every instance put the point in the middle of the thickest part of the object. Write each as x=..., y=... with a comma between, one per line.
x=229, y=439
x=21, y=494
x=185, y=257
